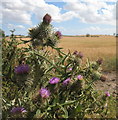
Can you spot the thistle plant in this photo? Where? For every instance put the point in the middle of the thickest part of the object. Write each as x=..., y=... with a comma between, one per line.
x=47, y=87
x=43, y=35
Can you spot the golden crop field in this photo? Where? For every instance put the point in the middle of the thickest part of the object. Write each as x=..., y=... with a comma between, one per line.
x=93, y=48
x=103, y=46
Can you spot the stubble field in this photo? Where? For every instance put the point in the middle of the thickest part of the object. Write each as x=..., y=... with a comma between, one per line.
x=93, y=48
x=103, y=46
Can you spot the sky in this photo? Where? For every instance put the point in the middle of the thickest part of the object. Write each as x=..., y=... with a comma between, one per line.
x=71, y=17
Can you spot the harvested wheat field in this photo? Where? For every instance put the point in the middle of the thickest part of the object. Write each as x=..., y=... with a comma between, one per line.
x=103, y=46
x=93, y=48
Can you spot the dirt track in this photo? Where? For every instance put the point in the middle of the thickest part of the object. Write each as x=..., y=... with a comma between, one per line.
x=109, y=84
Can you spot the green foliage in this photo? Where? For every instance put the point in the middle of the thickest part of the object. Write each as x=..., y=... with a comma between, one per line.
x=76, y=99
x=111, y=63
x=2, y=33
x=43, y=35
x=87, y=35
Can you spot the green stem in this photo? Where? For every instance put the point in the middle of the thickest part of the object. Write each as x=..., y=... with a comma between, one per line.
x=50, y=63
x=59, y=50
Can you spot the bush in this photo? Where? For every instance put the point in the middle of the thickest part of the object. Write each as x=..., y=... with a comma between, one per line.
x=2, y=33
x=46, y=85
x=87, y=35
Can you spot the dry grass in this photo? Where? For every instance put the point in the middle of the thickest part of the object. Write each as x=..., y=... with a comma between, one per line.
x=93, y=47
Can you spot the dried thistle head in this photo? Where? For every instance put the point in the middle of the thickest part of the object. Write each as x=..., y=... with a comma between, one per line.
x=103, y=78
x=58, y=34
x=99, y=61
x=47, y=19
x=78, y=54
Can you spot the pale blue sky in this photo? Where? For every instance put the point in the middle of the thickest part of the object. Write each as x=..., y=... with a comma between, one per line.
x=71, y=18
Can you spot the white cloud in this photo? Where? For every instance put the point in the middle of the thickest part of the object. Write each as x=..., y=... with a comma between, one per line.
x=61, y=29
x=68, y=15
x=66, y=0
x=86, y=0
x=11, y=26
x=21, y=11
x=96, y=30
x=54, y=11
x=88, y=11
x=93, y=30
x=15, y=12
x=16, y=16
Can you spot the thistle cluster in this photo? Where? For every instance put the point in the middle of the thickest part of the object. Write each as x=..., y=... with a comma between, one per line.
x=45, y=92
x=43, y=35
x=50, y=86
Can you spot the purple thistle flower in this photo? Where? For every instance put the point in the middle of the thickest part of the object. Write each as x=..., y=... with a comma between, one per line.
x=47, y=19
x=75, y=53
x=78, y=54
x=44, y=92
x=65, y=82
x=70, y=69
x=99, y=61
x=107, y=94
x=80, y=77
x=22, y=69
x=58, y=34
x=18, y=110
x=54, y=80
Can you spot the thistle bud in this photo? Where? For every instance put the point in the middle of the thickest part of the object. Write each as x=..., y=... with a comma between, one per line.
x=77, y=85
x=99, y=61
x=58, y=34
x=103, y=78
x=22, y=69
x=78, y=54
x=47, y=19
x=22, y=61
x=44, y=92
x=31, y=29
x=107, y=94
x=66, y=82
x=75, y=53
x=18, y=110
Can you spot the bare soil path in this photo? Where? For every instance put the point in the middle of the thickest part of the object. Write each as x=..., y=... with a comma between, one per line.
x=108, y=85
